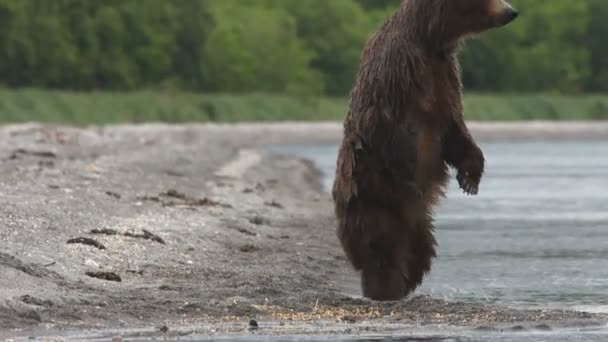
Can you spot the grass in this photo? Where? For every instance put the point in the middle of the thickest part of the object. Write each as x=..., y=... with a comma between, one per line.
x=107, y=107
x=506, y=107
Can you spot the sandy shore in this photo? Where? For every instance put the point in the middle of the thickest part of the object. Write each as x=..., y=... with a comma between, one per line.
x=196, y=229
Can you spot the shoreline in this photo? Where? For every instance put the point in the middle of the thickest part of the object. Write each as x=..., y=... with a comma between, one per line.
x=245, y=234
x=330, y=132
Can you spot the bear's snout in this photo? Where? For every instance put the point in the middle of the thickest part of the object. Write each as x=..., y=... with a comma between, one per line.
x=507, y=15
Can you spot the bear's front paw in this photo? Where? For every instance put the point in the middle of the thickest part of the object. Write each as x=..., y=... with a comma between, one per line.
x=470, y=172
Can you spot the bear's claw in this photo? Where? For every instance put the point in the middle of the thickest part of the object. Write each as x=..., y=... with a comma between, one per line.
x=470, y=172
x=467, y=183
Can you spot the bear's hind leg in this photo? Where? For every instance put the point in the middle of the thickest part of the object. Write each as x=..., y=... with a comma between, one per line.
x=381, y=277
x=397, y=256
x=418, y=252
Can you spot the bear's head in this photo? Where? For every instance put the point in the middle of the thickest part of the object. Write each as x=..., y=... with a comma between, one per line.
x=445, y=22
x=467, y=17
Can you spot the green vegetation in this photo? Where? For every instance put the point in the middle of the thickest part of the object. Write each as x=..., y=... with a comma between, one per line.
x=139, y=60
x=293, y=47
x=106, y=107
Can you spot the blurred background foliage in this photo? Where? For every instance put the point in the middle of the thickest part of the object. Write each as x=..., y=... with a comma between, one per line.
x=292, y=46
x=302, y=48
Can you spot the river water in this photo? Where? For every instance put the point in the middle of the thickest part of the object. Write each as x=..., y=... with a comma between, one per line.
x=535, y=237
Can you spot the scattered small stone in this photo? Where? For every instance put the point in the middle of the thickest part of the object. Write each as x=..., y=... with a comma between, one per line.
x=486, y=328
x=87, y=241
x=177, y=198
x=104, y=231
x=349, y=319
x=247, y=190
x=109, y=276
x=138, y=272
x=113, y=194
x=91, y=263
x=258, y=220
x=151, y=236
x=518, y=328
x=46, y=163
x=27, y=299
x=204, y=202
x=41, y=154
x=31, y=314
x=116, y=339
x=248, y=248
x=175, y=194
x=543, y=327
x=165, y=288
x=148, y=198
x=246, y=232
x=147, y=235
x=253, y=325
x=174, y=173
x=275, y=204
x=164, y=329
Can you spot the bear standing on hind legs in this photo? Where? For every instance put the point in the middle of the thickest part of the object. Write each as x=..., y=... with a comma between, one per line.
x=404, y=127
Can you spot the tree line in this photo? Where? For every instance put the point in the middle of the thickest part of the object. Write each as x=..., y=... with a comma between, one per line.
x=307, y=47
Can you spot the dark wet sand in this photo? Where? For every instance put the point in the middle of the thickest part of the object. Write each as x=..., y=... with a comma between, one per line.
x=204, y=230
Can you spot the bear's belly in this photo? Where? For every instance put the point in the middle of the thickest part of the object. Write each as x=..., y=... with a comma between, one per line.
x=430, y=174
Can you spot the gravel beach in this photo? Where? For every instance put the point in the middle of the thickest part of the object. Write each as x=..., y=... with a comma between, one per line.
x=196, y=229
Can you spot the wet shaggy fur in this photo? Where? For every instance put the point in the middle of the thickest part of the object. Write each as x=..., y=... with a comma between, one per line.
x=404, y=128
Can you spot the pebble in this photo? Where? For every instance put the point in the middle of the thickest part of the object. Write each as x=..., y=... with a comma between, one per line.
x=253, y=325
x=91, y=263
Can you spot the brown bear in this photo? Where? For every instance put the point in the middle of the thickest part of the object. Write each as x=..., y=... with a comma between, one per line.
x=404, y=127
